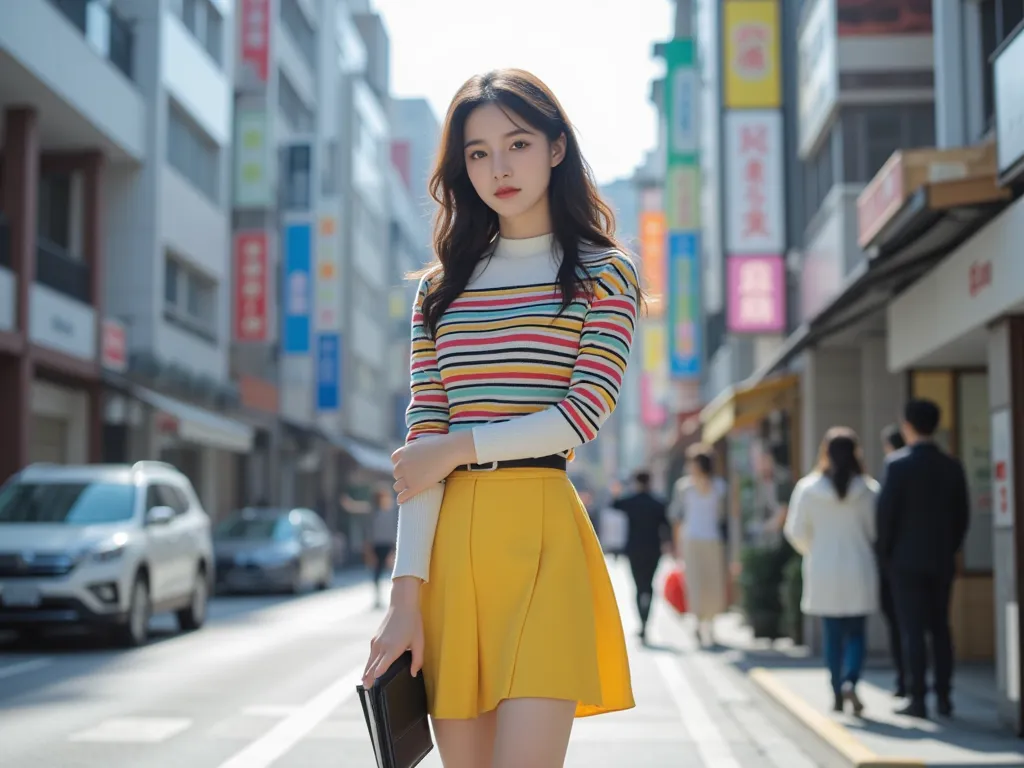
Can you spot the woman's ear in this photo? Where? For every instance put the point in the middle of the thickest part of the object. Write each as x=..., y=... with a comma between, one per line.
x=558, y=150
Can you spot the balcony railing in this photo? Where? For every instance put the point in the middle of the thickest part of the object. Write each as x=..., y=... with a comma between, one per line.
x=107, y=32
x=57, y=270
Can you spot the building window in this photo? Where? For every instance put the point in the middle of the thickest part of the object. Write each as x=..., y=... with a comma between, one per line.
x=204, y=21
x=190, y=298
x=296, y=114
x=872, y=134
x=53, y=217
x=999, y=18
x=193, y=154
x=301, y=31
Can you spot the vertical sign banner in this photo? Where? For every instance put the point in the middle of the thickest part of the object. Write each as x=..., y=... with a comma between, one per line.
x=755, y=221
x=652, y=258
x=255, y=31
x=328, y=275
x=253, y=185
x=252, y=286
x=684, y=321
x=682, y=212
x=1002, y=469
x=328, y=371
x=757, y=294
x=752, y=54
x=298, y=244
x=654, y=376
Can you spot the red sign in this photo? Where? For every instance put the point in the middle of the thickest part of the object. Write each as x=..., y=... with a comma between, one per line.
x=114, y=346
x=251, y=286
x=256, y=37
x=980, y=277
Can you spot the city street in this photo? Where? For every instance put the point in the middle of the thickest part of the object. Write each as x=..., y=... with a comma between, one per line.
x=270, y=682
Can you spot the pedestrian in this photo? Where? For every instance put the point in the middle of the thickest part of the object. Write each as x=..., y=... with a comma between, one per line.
x=520, y=336
x=613, y=525
x=892, y=442
x=699, y=521
x=380, y=544
x=923, y=514
x=831, y=522
x=648, y=534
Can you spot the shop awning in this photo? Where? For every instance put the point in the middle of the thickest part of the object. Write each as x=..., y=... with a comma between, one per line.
x=744, y=405
x=932, y=223
x=199, y=425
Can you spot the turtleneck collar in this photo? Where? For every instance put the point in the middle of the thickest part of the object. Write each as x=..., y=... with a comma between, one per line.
x=527, y=246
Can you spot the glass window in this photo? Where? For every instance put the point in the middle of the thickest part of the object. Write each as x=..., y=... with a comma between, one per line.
x=192, y=154
x=70, y=503
x=170, y=281
x=883, y=134
x=293, y=109
x=298, y=26
x=256, y=527
x=53, y=217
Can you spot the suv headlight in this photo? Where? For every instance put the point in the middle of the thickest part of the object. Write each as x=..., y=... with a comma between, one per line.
x=106, y=550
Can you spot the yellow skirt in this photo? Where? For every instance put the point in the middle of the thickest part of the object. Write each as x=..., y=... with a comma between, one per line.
x=519, y=603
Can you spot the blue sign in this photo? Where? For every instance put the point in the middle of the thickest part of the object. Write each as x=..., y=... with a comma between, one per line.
x=298, y=289
x=685, y=324
x=328, y=371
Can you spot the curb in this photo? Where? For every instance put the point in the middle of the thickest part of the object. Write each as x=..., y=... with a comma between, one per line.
x=831, y=732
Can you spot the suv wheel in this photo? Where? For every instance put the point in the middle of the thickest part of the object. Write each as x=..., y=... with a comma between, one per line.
x=194, y=615
x=135, y=631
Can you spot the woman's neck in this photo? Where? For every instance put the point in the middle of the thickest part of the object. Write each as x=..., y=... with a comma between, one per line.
x=532, y=223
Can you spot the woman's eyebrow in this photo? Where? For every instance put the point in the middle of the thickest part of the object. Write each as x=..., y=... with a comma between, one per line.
x=509, y=135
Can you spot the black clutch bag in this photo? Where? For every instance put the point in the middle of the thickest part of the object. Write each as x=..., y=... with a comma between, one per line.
x=395, y=709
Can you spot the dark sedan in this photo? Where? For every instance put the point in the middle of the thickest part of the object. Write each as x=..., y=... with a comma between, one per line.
x=272, y=550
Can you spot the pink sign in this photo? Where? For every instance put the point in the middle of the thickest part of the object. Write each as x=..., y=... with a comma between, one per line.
x=757, y=294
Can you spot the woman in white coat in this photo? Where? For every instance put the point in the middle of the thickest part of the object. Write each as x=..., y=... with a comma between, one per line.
x=831, y=522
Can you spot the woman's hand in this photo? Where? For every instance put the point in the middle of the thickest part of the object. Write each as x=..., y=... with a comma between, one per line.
x=429, y=460
x=401, y=630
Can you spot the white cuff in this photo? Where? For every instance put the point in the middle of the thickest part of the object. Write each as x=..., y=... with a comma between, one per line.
x=543, y=433
x=417, y=521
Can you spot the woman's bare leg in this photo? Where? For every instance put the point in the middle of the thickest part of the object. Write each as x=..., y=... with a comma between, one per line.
x=532, y=732
x=466, y=743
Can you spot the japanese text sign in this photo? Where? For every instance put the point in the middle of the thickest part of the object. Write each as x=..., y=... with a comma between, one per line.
x=757, y=294
x=755, y=189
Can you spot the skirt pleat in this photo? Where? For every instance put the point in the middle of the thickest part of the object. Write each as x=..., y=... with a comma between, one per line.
x=519, y=603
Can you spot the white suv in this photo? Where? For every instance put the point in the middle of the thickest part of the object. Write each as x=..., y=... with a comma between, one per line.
x=106, y=545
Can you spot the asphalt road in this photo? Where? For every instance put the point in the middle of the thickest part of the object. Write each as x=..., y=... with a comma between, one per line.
x=270, y=682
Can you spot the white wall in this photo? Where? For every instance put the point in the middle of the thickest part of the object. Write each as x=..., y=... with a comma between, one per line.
x=42, y=39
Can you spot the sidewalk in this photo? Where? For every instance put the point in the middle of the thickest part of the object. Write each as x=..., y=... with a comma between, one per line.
x=973, y=737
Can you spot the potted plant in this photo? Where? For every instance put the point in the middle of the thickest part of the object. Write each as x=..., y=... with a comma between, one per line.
x=760, y=581
x=792, y=592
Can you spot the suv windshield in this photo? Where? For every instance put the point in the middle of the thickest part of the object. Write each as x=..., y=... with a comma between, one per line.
x=266, y=527
x=70, y=503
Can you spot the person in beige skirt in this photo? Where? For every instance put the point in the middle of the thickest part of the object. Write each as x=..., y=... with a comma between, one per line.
x=697, y=513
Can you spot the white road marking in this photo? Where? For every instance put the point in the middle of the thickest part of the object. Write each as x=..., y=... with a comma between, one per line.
x=263, y=752
x=23, y=667
x=711, y=745
x=134, y=730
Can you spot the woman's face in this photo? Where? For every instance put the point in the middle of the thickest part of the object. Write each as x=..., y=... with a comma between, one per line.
x=509, y=165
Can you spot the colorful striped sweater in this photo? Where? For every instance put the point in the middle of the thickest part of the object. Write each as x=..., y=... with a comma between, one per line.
x=528, y=381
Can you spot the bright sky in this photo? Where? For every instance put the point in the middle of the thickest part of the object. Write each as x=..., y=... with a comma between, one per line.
x=597, y=61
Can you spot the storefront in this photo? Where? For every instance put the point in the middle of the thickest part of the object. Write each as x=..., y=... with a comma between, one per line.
x=958, y=334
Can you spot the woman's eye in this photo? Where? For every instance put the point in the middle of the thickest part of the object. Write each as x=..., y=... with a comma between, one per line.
x=519, y=144
x=476, y=154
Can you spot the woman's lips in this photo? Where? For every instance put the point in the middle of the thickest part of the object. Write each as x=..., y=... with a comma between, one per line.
x=506, y=192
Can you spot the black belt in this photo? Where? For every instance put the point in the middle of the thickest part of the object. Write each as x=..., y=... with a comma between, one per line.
x=554, y=461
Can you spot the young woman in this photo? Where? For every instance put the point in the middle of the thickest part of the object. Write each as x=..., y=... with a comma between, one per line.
x=831, y=522
x=380, y=544
x=698, y=516
x=520, y=337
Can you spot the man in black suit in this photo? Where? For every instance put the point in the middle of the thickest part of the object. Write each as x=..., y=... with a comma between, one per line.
x=923, y=513
x=649, y=533
x=892, y=441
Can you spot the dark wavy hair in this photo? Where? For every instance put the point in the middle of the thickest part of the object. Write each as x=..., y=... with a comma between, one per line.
x=839, y=458
x=465, y=226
